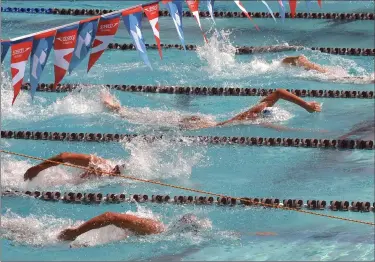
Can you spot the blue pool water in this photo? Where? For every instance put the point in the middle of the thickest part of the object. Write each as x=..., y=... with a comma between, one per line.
x=30, y=226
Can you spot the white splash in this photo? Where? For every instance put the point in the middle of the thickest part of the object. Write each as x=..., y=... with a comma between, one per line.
x=163, y=159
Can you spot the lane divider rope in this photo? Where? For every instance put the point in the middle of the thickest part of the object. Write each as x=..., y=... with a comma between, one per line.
x=240, y=50
x=250, y=201
x=110, y=198
x=222, y=140
x=204, y=90
x=217, y=14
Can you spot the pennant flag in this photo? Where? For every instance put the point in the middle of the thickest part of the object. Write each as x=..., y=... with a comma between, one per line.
x=269, y=10
x=152, y=13
x=4, y=49
x=194, y=9
x=42, y=46
x=85, y=37
x=21, y=50
x=65, y=41
x=320, y=3
x=175, y=10
x=282, y=10
x=107, y=29
x=293, y=7
x=239, y=4
x=210, y=6
x=308, y=2
x=133, y=25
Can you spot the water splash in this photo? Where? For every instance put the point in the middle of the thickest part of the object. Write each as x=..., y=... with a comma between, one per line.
x=85, y=101
x=163, y=159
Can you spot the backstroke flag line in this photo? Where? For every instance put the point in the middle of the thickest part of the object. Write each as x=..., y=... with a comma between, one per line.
x=65, y=41
x=4, y=48
x=107, y=29
x=85, y=38
x=21, y=50
x=175, y=10
x=152, y=13
x=42, y=47
x=133, y=25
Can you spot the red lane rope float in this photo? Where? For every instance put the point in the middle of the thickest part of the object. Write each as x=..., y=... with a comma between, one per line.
x=223, y=140
x=249, y=201
x=111, y=198
x=208, y=91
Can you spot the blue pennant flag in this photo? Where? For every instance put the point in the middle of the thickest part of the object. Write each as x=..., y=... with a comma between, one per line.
x=4, y=49
x=175, y=10
x=42, y=46
x=282, y=10
x=85, y=37
x=210, y=6
x=308, y=2
x=133, y=24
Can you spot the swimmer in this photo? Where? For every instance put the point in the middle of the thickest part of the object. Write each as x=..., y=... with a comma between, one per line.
x=95, y=163
x=137, y=225
x=262, y=109
x=302, y=61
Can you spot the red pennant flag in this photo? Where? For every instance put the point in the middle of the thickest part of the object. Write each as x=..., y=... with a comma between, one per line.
x=320, y=3
x=194, y=9
x=239, y=4
x=107, y=29
x=293, y=7
x=152, y=13
x=65, y=41
x=21, y=50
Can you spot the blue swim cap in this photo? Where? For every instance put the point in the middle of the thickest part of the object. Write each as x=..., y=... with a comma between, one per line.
x=267, y=112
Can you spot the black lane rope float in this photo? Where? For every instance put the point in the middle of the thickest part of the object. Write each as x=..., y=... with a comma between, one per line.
x=242, y=50
x=204, y=90
x=216, y=140
x=217, y=14
x=250, y=201
x=111, y=198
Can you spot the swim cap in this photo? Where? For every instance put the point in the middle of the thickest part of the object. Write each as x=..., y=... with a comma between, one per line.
x=267, y=112
x=119, y=169
x=187, y=223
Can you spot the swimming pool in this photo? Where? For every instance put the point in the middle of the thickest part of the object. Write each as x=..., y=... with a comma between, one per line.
x=30, y=226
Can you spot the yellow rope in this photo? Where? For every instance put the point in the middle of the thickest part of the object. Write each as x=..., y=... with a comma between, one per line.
x=191, y=189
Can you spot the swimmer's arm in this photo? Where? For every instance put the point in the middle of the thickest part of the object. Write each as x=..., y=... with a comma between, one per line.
x=65, y=157
x=124, y=221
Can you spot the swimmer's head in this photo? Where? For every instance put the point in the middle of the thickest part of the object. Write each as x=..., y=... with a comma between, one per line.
x=267, y=112
x=293, y=60
x=187, y=223
x=119, y=169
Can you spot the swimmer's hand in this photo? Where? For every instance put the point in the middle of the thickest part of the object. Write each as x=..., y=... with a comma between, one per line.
x=110, y=102
x=68, y=234
x=31, y=173
x=314, y=107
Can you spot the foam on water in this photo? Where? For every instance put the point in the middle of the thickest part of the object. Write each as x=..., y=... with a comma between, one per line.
x=163, y=159
x=78, y=102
